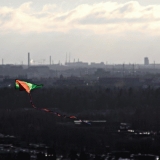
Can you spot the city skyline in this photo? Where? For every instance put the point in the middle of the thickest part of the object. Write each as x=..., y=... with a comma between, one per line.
x=68, y=61
x=94, y=31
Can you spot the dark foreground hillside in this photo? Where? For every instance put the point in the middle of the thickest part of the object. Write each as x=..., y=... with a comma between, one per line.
x=138, y=107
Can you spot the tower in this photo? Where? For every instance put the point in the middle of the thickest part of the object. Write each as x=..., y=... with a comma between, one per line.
x=50, y=60
x=28, y=59
x=66, y=59
x=146, y=61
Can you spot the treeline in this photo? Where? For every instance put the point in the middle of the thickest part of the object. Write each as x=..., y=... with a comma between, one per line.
x=140, y=107
x=82, y=99
x=38, y=127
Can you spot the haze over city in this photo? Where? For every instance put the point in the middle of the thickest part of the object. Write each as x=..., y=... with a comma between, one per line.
x=91, y=31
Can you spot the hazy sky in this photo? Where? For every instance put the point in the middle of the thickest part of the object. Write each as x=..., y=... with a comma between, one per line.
x=118, y=31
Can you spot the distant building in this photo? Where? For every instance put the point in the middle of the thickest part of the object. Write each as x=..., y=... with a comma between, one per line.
x=146, y=61
x=77, y=64
x=69, y=81
x=38, y=72
x=97, y=65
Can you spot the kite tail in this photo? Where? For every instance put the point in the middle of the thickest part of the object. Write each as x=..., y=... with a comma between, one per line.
x=31, y=102
x=55, y=113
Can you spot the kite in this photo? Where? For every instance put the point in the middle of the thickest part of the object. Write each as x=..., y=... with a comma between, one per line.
x=28, y=87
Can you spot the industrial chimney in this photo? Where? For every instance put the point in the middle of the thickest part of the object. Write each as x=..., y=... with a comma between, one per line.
x=28, y=59
x=50, y=60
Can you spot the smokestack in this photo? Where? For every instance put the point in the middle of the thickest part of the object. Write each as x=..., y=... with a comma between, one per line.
x=50, y=60
x=2, y=61
x=66, y=58
x=28, y=59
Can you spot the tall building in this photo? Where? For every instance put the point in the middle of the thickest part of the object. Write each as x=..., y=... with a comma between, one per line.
x=146, y=61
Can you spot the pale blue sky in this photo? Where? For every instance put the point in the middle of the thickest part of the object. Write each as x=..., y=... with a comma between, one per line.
x=93, y=30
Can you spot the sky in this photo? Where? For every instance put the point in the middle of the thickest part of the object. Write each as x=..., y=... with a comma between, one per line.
x=113, y=32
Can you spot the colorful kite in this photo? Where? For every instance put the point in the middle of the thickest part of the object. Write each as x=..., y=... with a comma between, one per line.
x=28, y=87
